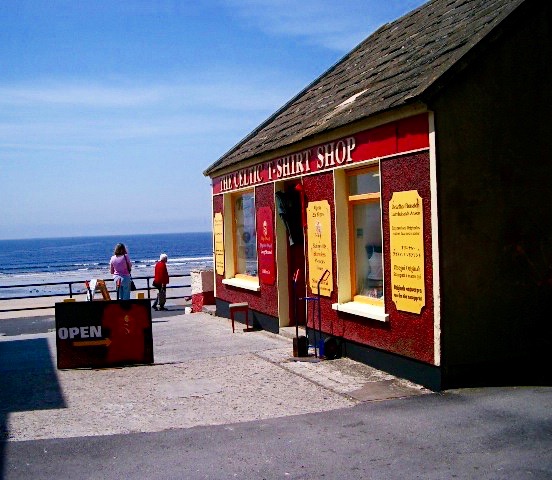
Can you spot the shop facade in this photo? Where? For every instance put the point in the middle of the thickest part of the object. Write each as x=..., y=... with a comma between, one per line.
x=403, y=221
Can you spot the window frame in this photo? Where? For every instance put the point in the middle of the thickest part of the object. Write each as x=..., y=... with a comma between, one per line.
x=352, y=201
x=242, y=277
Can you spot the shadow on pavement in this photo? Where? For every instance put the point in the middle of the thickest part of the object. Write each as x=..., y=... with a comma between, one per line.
x=27, y=325
x=170, y=312
x=29, y=382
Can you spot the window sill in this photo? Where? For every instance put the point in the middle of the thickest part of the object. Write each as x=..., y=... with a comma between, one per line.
x=362, y=310
x=245, y=284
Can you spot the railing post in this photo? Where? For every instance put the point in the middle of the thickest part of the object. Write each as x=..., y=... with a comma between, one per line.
x=70, y=290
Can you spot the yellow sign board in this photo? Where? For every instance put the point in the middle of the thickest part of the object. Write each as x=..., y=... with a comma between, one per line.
x=407, y=251
x=218, y=232
x=320, y=246
x=97, y=285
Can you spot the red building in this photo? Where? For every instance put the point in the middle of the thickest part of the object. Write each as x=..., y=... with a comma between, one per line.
x=408, y=189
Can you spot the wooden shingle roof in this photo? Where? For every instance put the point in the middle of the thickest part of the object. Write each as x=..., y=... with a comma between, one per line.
x=391, y=68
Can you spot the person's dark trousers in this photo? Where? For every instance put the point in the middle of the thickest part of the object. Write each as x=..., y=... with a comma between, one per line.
x=160, y=299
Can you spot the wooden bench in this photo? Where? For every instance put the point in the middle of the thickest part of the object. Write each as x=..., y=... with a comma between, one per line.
x=240, y=307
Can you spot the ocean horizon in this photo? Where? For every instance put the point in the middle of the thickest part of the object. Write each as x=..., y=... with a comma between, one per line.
x=74, y=259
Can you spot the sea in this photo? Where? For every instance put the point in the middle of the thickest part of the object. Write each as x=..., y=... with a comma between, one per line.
x=28, y=266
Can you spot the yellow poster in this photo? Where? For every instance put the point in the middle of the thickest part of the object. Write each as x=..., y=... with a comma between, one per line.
x=219, y=243
x=407, y=251
x=320, y=247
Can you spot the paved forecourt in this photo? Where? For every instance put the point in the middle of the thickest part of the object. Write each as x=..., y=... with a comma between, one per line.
x=203, y=375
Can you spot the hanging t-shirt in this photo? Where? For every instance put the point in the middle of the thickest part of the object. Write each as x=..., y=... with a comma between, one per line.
x=375, y=263
x=288, y=205
x=126, y=326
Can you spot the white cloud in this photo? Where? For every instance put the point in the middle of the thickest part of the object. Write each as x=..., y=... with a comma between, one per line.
x=77, y=95
x=334, y=25
x=248, y=91
x=80, y=116
x=84, y=133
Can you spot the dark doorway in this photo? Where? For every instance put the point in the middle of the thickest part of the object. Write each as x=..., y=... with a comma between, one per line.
x=290, y=209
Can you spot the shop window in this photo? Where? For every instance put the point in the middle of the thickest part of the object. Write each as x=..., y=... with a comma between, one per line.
x=365, y=229
x=245, y=237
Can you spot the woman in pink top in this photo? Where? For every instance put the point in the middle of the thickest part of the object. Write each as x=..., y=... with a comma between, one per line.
x=120, y=266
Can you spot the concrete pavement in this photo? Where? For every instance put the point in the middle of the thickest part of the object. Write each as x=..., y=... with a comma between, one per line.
x=203, y=375
x=223, y=405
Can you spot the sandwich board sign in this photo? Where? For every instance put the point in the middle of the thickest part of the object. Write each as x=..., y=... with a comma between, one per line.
x=103, y=334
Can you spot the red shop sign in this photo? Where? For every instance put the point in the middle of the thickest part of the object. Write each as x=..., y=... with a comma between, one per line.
x=103, y=334
x=265, y=245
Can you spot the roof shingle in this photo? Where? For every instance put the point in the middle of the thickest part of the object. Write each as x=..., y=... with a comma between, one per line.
x=393, y=67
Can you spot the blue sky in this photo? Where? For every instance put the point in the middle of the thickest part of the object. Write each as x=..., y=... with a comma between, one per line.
x=110, y=110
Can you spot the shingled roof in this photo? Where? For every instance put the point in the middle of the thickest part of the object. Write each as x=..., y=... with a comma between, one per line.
x=393, y=67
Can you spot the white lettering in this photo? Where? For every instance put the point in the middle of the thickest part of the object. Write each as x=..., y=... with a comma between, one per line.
x=306, y=154
x=96, y=331
x=340, y=148
x=351, y=144
x=259, y=174
x=93, y=331
x=329, y=155
x=285, y=167
x=320, y=157
x=279, y=168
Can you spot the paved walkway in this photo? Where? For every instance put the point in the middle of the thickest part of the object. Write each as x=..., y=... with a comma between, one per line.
x=203, y=375
x=218, y=405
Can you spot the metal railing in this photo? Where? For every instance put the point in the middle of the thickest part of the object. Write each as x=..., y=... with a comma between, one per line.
x=82, y=291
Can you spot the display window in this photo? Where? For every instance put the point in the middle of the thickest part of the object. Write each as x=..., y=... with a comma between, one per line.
x=365, y=229
x=245, y=236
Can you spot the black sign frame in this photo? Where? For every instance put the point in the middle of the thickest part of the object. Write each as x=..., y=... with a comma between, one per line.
x=101, y=334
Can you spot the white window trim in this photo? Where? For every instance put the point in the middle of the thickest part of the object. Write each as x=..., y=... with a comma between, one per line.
x=362, y=310
x=239, y=283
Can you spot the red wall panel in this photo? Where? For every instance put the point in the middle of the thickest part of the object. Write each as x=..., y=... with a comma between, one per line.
x=412, y=133
x=411, y=334
x=405, y=333
x=377, y=142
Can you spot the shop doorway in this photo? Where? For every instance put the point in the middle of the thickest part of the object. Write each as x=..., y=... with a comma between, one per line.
x=290, y=210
